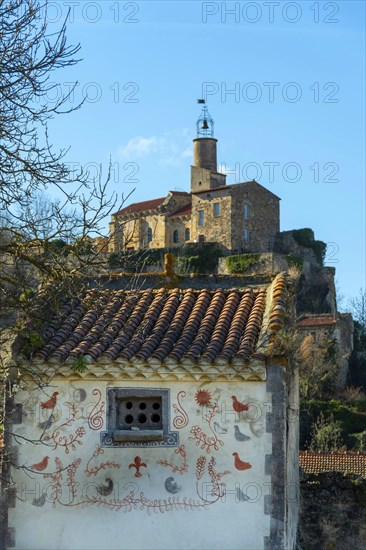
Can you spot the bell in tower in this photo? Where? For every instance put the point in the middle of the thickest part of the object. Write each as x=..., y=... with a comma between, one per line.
x=205, y=123
x=204, y=173
x=205, y=143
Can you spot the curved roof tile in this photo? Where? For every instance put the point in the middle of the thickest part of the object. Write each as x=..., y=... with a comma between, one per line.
x=162, y=326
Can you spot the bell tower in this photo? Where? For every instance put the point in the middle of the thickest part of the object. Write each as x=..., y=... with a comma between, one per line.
x=204, y=173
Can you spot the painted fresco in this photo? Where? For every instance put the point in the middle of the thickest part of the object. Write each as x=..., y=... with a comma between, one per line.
x=218, y=461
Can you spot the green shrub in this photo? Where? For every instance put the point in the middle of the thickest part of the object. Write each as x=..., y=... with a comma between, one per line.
x=32, y=342
x=190, y=257
x=350, y=416
x=241, y=262
x=295, y=261
x=326, y=434
x=305, y=237
x=56, y=247
x=360, y=439
x=79, y=364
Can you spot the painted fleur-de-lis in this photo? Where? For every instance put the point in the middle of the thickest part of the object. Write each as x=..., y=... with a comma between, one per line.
x=137, y=464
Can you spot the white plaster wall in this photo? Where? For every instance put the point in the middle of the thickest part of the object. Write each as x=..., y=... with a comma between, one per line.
x=140, y=512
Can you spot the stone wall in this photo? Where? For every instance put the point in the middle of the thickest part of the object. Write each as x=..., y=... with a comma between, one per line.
x=264, y=217
x=174, y=201
x=268, y=263
x=333, y=512
x=131, y=231
x=344, y=335
x=216, y=228
x=286, y=244
x=180, y=224
x=203, y=179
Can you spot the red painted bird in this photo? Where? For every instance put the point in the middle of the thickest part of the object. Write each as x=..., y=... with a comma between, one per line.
x=51, y=403
x=237, y=406
x=239, y=464
x=40, y=466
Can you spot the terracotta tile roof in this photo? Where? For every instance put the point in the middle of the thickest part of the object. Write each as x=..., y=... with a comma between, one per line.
x=140, y=206
x=316, y=321
x=279, y=301
x=185, y=210
x=158, y=326
x=251, y=183
x=148, y=205
x=313, y=463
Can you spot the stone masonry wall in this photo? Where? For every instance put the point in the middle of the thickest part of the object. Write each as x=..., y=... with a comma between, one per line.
x=215, y=228
x=264, y=217
x=180, y=224
x=333, y=512
x=176, y=201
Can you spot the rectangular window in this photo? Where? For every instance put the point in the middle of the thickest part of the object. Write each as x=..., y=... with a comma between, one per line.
x=137, y=416
x=246, y=235
x=201, y=217
x=246, y=211
x=271, y=242
x=216, y=209
x=201, y=238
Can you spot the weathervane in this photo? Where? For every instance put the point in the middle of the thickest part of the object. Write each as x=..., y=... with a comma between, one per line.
x=205, y=123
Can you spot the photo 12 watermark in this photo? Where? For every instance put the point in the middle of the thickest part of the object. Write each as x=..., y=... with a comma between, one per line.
x=279, y=172
x=118, y=172
x=270, y=12
x=92, y=12
x=272, y=92
x=76, y=93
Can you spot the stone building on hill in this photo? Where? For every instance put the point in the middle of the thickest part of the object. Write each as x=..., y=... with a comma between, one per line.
x=243, y=217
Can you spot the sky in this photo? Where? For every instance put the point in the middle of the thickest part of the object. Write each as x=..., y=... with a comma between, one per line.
x=284, y=83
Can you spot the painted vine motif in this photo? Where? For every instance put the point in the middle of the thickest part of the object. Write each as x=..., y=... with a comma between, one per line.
x=201, y=439
x=183, y=467
x=207, y=440
x=70, y=441
x=217, y=488
x=96, y=469
x=95, y=418
x=132, y=501
x=182, y=419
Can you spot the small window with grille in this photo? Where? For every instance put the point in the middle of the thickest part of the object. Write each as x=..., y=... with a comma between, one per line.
x=138, y=415
x=143, y=413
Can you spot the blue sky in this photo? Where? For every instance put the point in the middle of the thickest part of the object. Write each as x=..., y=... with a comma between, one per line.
x=284, y=82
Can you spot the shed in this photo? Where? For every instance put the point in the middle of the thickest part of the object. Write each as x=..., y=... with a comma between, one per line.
x=155, y=419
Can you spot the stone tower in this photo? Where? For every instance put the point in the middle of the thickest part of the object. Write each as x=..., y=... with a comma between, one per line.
x=204, y=175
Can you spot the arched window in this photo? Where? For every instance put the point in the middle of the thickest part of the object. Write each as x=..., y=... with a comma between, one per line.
x=175, y=236
x=187, y=234
x=149, y=235
x=246, y=211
